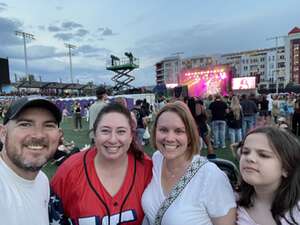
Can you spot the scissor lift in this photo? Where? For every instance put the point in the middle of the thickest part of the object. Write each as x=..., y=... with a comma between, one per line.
x=122, y=67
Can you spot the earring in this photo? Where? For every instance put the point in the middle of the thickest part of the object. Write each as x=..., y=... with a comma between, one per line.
x=284, y=174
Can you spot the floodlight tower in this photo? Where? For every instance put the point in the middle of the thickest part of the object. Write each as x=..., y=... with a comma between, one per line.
x=69, y=46
x=25, y=37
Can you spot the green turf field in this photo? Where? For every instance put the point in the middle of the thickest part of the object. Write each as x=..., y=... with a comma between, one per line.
x=81, y=138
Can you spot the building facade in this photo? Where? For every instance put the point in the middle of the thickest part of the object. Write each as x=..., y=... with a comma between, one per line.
x=168, y=70
x=292, y=50
x=274, y=67
x=260, y=63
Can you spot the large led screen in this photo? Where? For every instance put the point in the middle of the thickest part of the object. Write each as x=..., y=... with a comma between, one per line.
x=243, y=83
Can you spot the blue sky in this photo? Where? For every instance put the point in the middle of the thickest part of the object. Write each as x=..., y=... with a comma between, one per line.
x=151, y=30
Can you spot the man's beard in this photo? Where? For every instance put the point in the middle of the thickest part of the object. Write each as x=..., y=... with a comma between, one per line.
x=19, y=160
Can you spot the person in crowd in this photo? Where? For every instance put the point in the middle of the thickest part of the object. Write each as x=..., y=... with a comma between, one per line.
x=263, y=108
x=275, y=108
x=296, y=117
x=95, y=108
x=270, y=106
x=235, y=120
x=290, y=109
x=269, y=192
x=249, y=111
x=122, y=101
x=86, y=112
x=218, y=109
x=77, y=116
x=140, y=114
x=65, y=113
x=198, y=111
x=104, y=183
x=30, y=135
x=185, y=188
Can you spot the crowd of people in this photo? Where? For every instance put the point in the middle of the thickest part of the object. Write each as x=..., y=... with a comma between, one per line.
x=115, y=182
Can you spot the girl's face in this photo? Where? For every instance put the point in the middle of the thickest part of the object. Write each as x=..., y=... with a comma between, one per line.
x=260, y=166
x=171, y=137
x=113, y=136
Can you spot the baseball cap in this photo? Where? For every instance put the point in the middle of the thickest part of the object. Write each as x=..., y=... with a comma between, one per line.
x=26, y=102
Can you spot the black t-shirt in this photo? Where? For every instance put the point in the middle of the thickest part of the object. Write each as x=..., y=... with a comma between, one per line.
x=218, y=110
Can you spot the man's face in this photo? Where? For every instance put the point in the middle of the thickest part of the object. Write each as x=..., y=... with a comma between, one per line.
x=30, y=140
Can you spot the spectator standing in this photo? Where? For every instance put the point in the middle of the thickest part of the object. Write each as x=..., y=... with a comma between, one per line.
x=95, y=108
x=235, y=120
x=140, y=114
x=264, y=107
x=218, y=110
x=77, y=116
x=200, y=116
x=275, y=108
x=249, y=111
x=296, y=117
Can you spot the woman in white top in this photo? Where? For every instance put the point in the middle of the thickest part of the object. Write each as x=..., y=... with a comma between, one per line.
x=207, y=198
x=270, y=188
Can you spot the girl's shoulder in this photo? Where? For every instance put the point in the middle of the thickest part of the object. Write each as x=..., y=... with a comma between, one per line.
x=243, y=218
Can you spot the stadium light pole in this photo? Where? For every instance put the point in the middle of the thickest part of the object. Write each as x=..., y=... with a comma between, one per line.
x=25, y=37
x=69, y=46
x=276, y=38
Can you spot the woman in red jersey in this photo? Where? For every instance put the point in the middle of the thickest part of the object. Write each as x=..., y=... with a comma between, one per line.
x=104, y=184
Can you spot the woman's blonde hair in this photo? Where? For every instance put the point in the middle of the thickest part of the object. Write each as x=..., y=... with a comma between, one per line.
x=235, y=107
x=182, y=110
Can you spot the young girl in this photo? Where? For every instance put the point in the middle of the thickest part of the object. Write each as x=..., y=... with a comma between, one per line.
x=270, y=187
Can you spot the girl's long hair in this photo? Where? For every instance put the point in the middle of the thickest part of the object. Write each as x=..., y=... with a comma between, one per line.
x=287, y=196
x=235, y=107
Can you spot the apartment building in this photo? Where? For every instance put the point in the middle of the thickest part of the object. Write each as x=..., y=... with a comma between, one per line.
x=168, y=70
x=262, y=64
x=292, y=50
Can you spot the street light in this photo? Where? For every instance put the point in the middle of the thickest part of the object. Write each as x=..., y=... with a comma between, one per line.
x=69, y=46
x=25, y=36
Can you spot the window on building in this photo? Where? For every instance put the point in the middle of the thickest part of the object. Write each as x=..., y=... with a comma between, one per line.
x=262, y=59
x=281, y=65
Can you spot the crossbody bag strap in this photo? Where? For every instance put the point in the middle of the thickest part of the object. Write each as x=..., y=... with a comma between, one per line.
x=178, y=188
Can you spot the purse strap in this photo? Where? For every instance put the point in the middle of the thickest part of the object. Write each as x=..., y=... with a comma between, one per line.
x=178, y=188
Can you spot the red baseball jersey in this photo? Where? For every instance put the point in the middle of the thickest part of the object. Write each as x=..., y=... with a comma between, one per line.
x=74, y=200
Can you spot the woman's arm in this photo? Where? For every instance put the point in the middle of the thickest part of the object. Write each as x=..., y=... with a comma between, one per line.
x=228, y=219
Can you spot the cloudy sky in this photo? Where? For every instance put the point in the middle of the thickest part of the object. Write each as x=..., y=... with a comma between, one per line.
x=151, y=30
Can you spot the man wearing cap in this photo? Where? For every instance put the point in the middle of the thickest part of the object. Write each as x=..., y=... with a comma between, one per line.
x=95, y=108
x=30, y=135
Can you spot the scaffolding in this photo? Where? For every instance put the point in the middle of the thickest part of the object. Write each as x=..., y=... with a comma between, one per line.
x=122, y=67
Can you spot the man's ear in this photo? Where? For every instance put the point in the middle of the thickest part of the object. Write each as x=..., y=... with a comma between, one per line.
x=61, y=136
x=3, y=132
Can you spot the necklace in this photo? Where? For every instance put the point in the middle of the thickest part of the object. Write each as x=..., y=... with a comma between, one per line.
x=179, y=173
